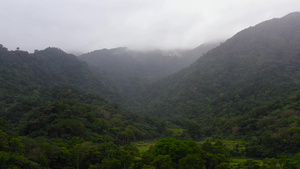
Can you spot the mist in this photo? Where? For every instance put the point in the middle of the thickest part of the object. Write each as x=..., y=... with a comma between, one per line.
x=80, y=26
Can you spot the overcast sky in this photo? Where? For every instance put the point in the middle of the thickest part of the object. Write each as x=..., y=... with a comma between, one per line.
x=86, y=25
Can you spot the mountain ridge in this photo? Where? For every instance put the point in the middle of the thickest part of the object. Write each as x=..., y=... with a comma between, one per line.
x=242, y=57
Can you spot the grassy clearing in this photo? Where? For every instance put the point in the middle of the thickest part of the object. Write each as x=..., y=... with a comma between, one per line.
x=242, y=160
x=239, y=144
x=176, y=131
x=144, y=146
x=237, y=161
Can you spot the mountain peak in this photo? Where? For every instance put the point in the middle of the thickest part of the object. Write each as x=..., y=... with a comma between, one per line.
x=53, y=50
x=292, y=15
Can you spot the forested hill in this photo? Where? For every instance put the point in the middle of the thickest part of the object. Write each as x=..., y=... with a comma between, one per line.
x=47, y=67
x=257, y=65
x=24, y=77
x=45, y=122
x=129, y=71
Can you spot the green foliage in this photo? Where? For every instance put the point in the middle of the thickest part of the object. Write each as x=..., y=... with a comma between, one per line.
x=173, y=153
x=192, y=161
x=176, y=148
x=249, y=164
x=25, y=79
x=53, y=125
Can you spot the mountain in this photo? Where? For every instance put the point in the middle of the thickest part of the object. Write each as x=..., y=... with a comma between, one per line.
x=24, y=77
x=47, y=67
x=51, y=88
x=128, y=72
x=257, y=65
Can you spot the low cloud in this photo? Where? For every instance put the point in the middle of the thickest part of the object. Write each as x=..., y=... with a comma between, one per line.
x=85, y=25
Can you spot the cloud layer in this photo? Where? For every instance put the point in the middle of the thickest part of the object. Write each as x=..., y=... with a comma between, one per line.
x=85, y=25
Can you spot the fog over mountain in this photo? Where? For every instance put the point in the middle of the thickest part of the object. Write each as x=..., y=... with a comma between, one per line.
x=130, y=71
x=258, y=63
x=87, y=25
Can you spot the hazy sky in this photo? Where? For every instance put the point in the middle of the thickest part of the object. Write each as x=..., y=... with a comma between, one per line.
x=85, y=25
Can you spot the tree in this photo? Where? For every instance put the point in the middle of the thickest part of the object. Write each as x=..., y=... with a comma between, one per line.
x=111, y=164
x=192, y=161
x=163, y=162
x=81, y=151
x=207, y=146
x=250, y=164
x=125, y=158
x=177, y=149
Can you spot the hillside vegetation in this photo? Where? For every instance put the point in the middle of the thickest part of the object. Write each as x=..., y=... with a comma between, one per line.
x=45, y=122
x=257, y=65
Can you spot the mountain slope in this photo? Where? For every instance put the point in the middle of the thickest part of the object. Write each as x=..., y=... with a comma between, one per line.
x=256, y=65
x=128, y=71
x=25, y=76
